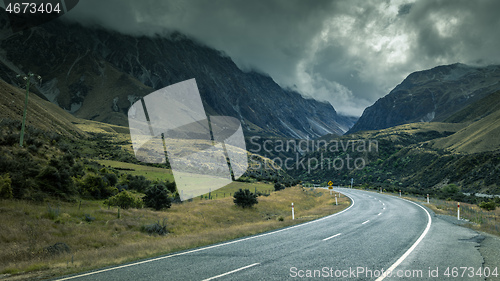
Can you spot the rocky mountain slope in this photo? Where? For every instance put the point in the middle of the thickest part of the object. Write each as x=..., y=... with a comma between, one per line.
x=96, y=74
x=41, y=114
x=423, y=157
x=430, y=95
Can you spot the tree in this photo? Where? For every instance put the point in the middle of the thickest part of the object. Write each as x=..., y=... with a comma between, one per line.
x=245, y=198
x=278, y=186
x=124, y=200
x=157, y=197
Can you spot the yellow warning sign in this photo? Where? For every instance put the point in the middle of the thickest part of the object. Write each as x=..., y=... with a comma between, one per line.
x=330, y=183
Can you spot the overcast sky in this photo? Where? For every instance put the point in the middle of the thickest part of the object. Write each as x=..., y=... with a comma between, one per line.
x=349, y=53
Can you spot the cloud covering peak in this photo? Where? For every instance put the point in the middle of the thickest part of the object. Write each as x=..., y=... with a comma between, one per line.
x=349, y=53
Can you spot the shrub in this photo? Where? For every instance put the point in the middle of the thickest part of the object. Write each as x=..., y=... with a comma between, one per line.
x=278, y=186
x=245, y=198
x=451, y=189
x=52, y=213
x=139, y=183
x=124, y=200
x=88, y=218
x=157, y=197
x=281, y=218
x=95, y=186
x=5, y=187
x=57, y=249
x=490, y=206
x=156, y=228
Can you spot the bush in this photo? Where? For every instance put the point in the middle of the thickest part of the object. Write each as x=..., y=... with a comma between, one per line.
x=124, y=200
x=52, y=213
x=278, y=186
x=451, y=189
x=92, y=185
x=139, y=183
x=156, y=228
x=5, y=187
x=88, y=218
x=245, y=198
x=157, y=197
x=490, y=206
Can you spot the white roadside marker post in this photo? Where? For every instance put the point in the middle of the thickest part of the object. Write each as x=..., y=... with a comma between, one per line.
x=427, y=198
x=458, y=211
x=293, y=214
x=400, y=193
x=336, y=199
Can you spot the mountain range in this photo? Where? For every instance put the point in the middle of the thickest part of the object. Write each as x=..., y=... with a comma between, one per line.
x=97, y=74
x=431, y=95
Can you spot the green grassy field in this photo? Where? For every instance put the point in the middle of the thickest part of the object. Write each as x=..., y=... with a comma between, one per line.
x=150, y=173
x=153, y=173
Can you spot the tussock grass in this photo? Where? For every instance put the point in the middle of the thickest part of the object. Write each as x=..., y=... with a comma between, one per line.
x=479, y=219
x=108, y=240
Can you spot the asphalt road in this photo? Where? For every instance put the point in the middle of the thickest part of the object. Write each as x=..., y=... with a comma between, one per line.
x=378, y=232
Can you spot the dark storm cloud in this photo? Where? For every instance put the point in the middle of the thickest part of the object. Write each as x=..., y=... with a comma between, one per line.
x=349, y=53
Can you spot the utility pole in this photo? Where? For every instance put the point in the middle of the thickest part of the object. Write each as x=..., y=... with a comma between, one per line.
x=27, y=79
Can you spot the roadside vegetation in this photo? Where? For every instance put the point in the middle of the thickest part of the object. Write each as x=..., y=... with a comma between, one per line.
x=58, y=237
x=72, y=204
x=484, y=216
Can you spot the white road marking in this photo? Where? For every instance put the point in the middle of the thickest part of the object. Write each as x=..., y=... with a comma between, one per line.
x=232, y=271
x=366, y=221
x=208, y=247
x=379, y=214
x=332, y=236
x=408, y=252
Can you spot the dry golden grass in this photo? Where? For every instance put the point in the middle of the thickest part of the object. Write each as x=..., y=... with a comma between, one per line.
x=28, y=228
x=478, y=218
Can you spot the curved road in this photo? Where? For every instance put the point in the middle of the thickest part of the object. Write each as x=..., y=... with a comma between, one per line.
x=376, y=232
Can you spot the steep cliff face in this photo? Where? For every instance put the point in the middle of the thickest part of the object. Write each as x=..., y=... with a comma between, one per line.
x=430, y=95
x=97, y=74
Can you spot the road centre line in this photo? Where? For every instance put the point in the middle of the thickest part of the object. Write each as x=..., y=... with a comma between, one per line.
x=332, y=237
x=208, y=247
x=230, y=272
x=366, y=221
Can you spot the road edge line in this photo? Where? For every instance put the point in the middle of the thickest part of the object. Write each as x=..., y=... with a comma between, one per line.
x=410, y=250
x=231, y=272
x=207, y=247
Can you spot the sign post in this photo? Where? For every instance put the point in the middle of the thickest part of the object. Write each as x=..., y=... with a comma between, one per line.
x=330, y=183
x=458, y=211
